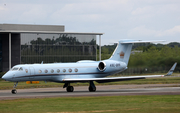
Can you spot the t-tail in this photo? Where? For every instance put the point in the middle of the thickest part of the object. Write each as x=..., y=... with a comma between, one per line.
x=124, y=47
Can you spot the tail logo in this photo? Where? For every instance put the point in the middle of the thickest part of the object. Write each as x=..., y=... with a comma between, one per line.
x=121, y=54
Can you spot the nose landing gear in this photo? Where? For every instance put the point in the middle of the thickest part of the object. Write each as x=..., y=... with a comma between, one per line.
x=14, y=91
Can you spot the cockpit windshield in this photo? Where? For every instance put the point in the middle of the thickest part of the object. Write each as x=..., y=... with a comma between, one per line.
x=17, y=69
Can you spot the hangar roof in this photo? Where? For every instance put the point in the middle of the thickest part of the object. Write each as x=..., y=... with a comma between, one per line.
x=28, y=28
x=50, y=32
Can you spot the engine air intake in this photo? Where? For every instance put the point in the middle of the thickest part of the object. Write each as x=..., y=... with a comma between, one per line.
x=102, y=66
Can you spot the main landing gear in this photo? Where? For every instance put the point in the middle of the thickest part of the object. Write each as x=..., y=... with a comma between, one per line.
x=68, y=87
x=92, y=87
x=14, y=88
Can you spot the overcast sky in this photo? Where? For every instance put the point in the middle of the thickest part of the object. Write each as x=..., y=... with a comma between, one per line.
x=117, y=19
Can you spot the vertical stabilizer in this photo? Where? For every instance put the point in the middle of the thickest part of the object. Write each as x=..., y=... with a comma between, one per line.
x=123, y=49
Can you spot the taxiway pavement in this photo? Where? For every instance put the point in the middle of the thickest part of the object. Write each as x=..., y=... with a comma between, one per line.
x=105, y=90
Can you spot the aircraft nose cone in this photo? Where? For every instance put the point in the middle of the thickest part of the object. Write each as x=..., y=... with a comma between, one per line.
x=7, y=76
x=4, y=77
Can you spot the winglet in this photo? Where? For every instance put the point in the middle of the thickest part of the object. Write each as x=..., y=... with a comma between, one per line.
x=171, y=70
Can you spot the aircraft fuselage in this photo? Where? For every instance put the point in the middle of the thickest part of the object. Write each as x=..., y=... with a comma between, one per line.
x=56, y=72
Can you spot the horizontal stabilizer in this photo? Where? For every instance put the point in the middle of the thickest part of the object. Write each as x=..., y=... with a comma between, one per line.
x=140, y=41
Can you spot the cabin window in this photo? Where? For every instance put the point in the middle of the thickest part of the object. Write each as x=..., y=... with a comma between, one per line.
x=46, y=71
x=76, y=70
x=52, y=71
x=26, y=70
x=70, y=70
x=64, y=70
x=40, y=71
x=58, y=70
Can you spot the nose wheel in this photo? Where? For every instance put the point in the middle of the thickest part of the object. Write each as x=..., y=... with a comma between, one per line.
x=14, y=91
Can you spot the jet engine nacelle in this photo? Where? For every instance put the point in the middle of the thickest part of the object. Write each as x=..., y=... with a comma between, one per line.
x=111, y=65
x=102, y=66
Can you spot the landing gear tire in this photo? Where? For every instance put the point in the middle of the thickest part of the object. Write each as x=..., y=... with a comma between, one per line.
x=14, y=91
x=14, y=88
x=91, y=89
x=70, y=89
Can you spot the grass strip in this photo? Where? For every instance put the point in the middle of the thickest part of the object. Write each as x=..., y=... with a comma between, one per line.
x=105, y=104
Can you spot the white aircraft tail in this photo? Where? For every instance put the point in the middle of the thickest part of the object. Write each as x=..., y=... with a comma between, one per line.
x=123, y=49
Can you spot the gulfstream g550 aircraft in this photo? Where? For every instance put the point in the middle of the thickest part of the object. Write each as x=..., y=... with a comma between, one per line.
x=81, y=71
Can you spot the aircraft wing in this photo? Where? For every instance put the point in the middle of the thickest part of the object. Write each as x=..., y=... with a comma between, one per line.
x=113, y=79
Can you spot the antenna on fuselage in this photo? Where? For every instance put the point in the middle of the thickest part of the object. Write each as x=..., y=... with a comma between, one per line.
x=42, y=62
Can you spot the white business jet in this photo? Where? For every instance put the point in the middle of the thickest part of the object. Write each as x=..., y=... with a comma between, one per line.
x=81, y=71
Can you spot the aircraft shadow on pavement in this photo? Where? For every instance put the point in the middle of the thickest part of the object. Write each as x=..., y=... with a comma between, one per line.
x=99, y=91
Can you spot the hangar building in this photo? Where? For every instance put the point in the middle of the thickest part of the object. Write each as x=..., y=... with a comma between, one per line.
x=27, y=44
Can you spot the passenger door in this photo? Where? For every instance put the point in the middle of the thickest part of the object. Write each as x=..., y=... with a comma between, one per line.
x=31, y=69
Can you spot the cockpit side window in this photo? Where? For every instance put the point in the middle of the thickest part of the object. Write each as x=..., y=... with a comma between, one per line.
x=20, y=69
x=15, y=68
